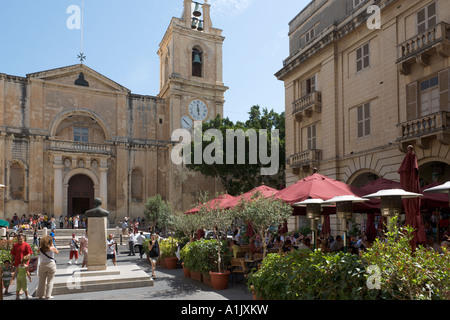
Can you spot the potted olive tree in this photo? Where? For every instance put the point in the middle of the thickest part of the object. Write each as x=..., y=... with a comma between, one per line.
x=187, y=224
x=159, y=212
x=263, y=212
x=214, y=217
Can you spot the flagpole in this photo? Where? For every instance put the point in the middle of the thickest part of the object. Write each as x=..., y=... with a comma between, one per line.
x=82, y=26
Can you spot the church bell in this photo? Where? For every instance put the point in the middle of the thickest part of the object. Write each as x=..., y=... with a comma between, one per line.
x=194, y=23
x=197, y=12
x=197, y=58
x=200, y=25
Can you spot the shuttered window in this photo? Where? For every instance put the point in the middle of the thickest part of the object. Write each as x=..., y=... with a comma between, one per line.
x=429, y=96
x=427, y=17
x=362, y=57
x=312, y=138
x=363, y=120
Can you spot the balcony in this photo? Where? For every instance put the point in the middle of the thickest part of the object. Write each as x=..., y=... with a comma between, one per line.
x=83, y=147
x=423, y=130
x=305, y=160
x=307, y=104
x=419, y=48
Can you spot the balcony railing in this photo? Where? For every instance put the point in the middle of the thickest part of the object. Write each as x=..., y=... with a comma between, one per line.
x=307, y=104
x=79, y=147
x=418, y=46
x=305, y=158
x=423, y=130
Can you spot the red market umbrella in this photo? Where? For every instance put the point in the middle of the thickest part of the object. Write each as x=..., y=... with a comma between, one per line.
x=371, y=230
x=409, y=181
x=317, y=186
x=326, y=227
x=263, y=191
x=221, y=201
x=433, y=200
x=379, y=184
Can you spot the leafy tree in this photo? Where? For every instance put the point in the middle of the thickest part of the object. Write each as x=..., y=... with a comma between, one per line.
x=158, y=212
x=240, y=178
x=264, y=213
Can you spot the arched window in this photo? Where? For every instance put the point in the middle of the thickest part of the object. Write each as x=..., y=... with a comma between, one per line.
x=197, y=63
x=136, y=185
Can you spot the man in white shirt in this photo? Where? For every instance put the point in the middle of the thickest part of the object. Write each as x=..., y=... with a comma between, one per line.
x=131, y=241
x=111, y=249
x=139, y=240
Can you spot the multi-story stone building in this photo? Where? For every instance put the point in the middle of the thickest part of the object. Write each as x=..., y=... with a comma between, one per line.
x=364, y=79
x=70, y=134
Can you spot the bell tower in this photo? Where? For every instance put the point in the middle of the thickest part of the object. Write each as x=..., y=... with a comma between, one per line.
x=192, y=86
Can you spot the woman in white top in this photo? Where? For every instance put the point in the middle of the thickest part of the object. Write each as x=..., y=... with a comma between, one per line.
x=47, y=268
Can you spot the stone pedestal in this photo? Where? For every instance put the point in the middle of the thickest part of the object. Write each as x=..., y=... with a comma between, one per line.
x=97, y=243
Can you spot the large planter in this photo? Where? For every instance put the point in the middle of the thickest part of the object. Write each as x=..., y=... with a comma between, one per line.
x=206, y=278
x=171, y=263
x=196, y=275
x=186, y=271
x=255, y=295
x=219, y=280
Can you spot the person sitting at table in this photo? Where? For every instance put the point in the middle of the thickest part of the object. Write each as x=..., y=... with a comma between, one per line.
x=306, y=244
x=277, y=244
x=252, y=247
x=287, y=247
x=235, y=248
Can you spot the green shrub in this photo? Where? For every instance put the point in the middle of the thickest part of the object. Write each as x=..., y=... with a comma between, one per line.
x=168, y=247
x=406, y=274
x=202, y=255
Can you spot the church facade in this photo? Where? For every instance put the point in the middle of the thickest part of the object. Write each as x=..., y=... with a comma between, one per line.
x=70, y=135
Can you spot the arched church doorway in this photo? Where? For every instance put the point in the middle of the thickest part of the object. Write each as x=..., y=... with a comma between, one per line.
x=80, y=195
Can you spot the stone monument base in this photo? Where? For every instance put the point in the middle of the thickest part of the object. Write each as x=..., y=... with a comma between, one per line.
x=78, y=280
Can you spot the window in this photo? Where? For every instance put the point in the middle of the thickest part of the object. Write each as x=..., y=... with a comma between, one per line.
x=311, y=137
x=136, y=185
x=81, y=134
x=197, y=63
x=309, y=85
x=362, y=57
x=427, y=17
x=17, y=181
x=429, y=96
x=357, y=3
x=363, y=120
x=310, y=35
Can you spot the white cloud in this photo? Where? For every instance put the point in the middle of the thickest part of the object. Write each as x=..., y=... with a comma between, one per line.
x=229, y=7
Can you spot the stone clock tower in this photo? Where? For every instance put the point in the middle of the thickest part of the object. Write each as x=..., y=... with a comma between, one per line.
x=192, y=86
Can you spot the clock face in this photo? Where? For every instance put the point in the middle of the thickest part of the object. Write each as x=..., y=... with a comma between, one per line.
x=198, y=110
x=186, y=122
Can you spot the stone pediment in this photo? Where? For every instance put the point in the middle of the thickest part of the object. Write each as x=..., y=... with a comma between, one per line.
x=78, y=75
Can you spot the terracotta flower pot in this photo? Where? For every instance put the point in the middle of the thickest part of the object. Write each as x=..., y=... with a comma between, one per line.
x=186, y=271
x=196, y=275
x=219, y=280
x=171, y=263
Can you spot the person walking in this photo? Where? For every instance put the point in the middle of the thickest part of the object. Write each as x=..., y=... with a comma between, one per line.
x=6, y=273
x=153, y=253
x=84, y=249
x=73, y=249
x=47, y=268
x=131, y=242
x=139, y=241
x=20, y=250
x=21, y=275
x=111, y=249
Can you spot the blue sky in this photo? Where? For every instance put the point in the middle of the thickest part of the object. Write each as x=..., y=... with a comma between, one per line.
x=121, y=41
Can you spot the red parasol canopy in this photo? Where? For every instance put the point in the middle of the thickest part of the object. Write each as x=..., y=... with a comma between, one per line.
x=371, y=230
x=379, y=184
x=263, y=191
x=221, y=201
x=409, y=181
x=317, y=186
x=433, y=200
